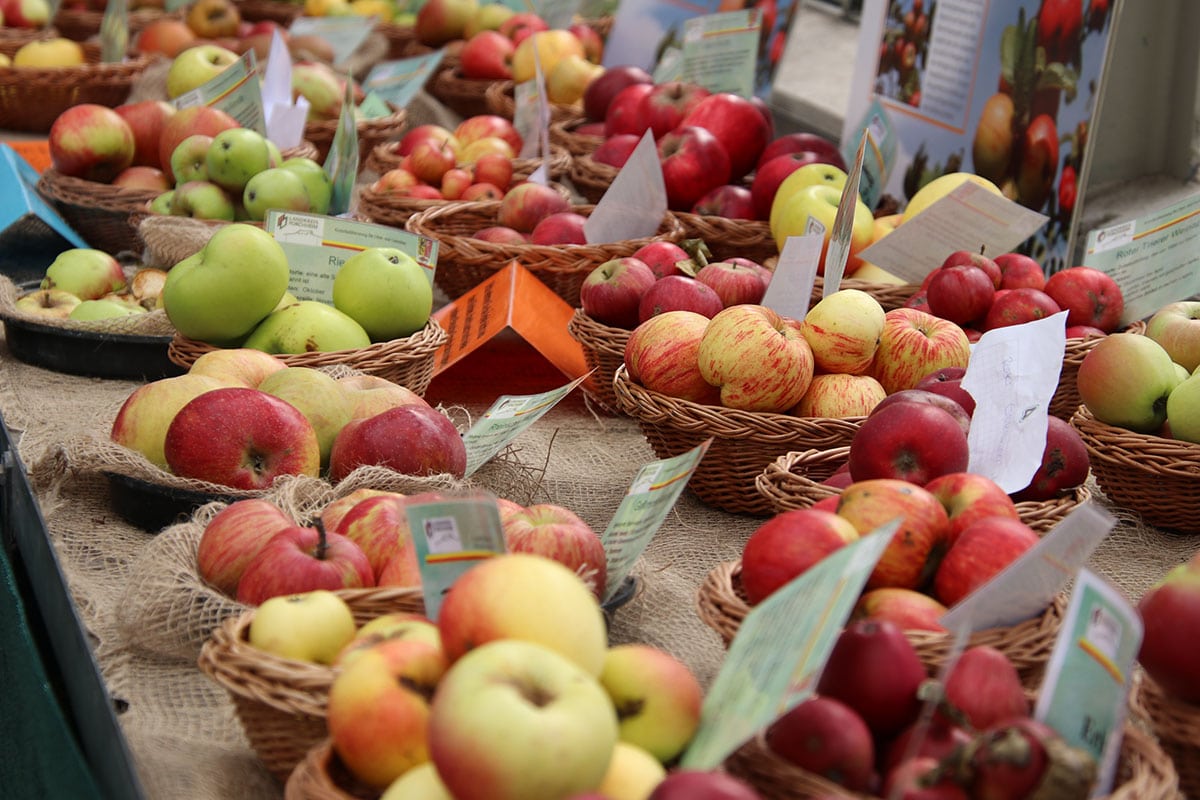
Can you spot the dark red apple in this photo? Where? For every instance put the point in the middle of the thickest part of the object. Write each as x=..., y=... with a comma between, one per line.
x=874, y=669
x=735, y=284
x=693, y=163
x=828, y=738
x=565, y=227
x=982, y=550
x=1019, y=271
x=1018, y=306
x=973, y=259
x=1064, y=465
x=960, y=293
x=1089, y=296
x=678, y=293
x=694, y=784
x=937, y=739
x=948, y=381
x=942, y=401
x=985, y=687
x=730, y=201
x=914, y=442
x=624, y=111
x=612, y=291
x=825, y=150
x=616, y=149
x=787, y=545
x=666, y=104
x=601, y=91
x=738, y=125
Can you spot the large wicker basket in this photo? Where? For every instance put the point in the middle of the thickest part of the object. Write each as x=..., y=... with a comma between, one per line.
x=1158, y=478
x=1144, y=772
x=280, y=702
x=31, y=98
x=467, y=97
x=402, y=41
x=464, y=261
x=371, y=133
x=408, y=361
x=591, y=178
x=1066, y=397
x=730, y=238
x=99, y=212
x=83, y=24
x=1176, y=725
x=501, y=100
x=744, y=442
x=321, y=775
x=566, y=133
x=603, y=351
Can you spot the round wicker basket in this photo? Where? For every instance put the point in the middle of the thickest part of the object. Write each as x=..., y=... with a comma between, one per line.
x=1176, y=725
x=1158, y=478
x=744, y=442
x=11, y=38
x=889, y=295
x=464, y=261
x=31, y=98
x=387, y=156
x=402, y=41
x=321, y=775
x=501, y=100
x=603, y=351
x=371, y=132
x=566, y=133
x=82, y=24
x=280, y=702
x=1066, y=397
x=464, y=96
x=591, y=178
x=99, y=212
x=269, y=10
x=730, y=238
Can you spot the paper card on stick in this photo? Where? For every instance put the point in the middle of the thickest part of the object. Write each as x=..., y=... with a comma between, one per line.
x=650, y=498
x=880, y=154
x=21, y=203
x=398, y=82
x=969, y=218
x=344, y=33
x=452, y=536
x=1084, y=695
x=505, y=419
x=634, y=205
x=790, y=291
x=720, y=51
x=1154, y=259
x=512, y=298
x=775, y=660
x=843, y=225
x=284, y=118
x=1024, y=588
x=114, y=32
x=1013, y=374
x=342, y=162
x=557, y=13
x=234, y=90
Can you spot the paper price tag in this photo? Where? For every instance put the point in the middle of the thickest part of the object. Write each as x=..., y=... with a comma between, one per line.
x=506, y=419
x=634, y=205
x=342, y=161
x=650, y=498
x=451, y=536
x=1088, y=677
x=235, y=90
x=1024, y=588
x=398, y=82
x=316, y=247
x=284, y=118
x=557, y=13
x=775, y=660
x=881, y=152
x=720, y=51
x=790, y=290
x=114, y=32
x=344, y=33
x=843, y=225
x=1013, y=373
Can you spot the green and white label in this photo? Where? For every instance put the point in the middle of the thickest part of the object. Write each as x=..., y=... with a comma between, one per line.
x=398, y=82
x=451, y=536
x=235, y=90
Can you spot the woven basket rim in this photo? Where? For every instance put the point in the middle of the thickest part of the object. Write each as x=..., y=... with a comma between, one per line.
x=92, y=72
x=597, y=335
x=1171, y=458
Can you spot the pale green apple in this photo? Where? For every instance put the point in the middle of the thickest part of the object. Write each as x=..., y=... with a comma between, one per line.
x=223, y=291
x=386, y=291
x=1183, y=410
x=324, y=402
x=197, y=66
x=308, y=326
x=316, y=180
x=275, y=188
x=189, y=159
x=85, y=272
x=103, y=309
x=235, y=156
x=487, y=17
x=419, y=783
x=312, y=626
x=276, y=156
x=319, y=85
x=161, y=204
x=1176, y=326
x=1125, y=381
x=202, y=200
x=285, y=301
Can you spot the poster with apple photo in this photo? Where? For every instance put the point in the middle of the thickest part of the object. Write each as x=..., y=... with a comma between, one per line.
x=643, y=31
x=1005, y=89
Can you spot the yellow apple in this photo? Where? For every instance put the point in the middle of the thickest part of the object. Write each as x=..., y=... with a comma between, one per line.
x=808, y=175
x=820, y=203
x=57, y=52
x=570, y=78
x=632, y=774
x=552, y=46
x=237, y=366
x=312, y=626
x=941, y=186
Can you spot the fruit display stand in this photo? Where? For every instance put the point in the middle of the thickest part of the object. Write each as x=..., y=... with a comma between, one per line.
x=32, y=97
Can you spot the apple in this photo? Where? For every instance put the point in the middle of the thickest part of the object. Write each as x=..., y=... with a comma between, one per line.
x=220, y=293
x=569, y=79
x=318, y=396
x=1064, y=465
x=91, y=142
x=1125, y=379
x=428, y=130
x=213, y=19
x=104, y=308
x=146, y=119
x=970, y=258
x=819, y=203
x=27, y=14
x=544, y=49
x=938, y=739
x=983, y=685
x=1017, y=306
x=601, y=91
x=826, y=737
x=503, y=706
x=923, y=529
x=234, y=156
x=1089, y=296
x=839, y=395
x=679, y=293
x=431, y=159
x=696, y=784
x=631, y=775
x=729, y=201
x=948, y=381
x=921, y=778
x=874, y=670
x=913, y=344
x=799, y=179
x=735, y=284
x=661, y=354
x=55, y=303
x=85, y=272
x=150, y=179
x=488, y=126
x=321, y=87
x=1176, y=327
x=758, y=360
x=693, y=162
x=186, y=122
x=310, y=626
x=843, y=330
x=544, y=602
x=487, y=17
x=787, y=545
x=564, y=227
x=439, y=22
x=237, y=366
x=941, y=186
x=664, y=258
x=771, y=174
x=142, y=421
x=1170, y=613
x=307, y=326
x=802, y=142
x=196, y=66
x=487, y=55
x=960, y=293
x=1018, y=271
x=1083, y=331
x=666, y=104
x=494, y=168
x=656, y=696
x=317, y=182
x=410, y=439
x=909, y=609
x=612, y=291
x=500, y=234
x=188, y=159
x=916, y=442
x=454, y=182
x=386, y=291
x=200, y=199
x=737, y=124
x=969, y=496
x=418, y=783
x=302, y=559
x=556, y=532
x=1038, y=163
x=526, y=204
x=372, y=394
x=624, y=114
x=379, y=526
x=242, y=438
x=165, y=35
x=981, y=550
x=233, y=536
x=379, y=709
x=392, y=626
x=1183, y=421
x=276, y=188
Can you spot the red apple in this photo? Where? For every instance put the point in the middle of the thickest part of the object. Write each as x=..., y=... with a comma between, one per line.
x=482, y=191
x=501, y=234
x=565, y=227
x=678, y=293
x=1018, y=306
x=661, y=354
x=981, y=551
x=379, y=526
x=874, y=669
x=937, y=739
x=422, y=132
x=411, y=439
x=616, y=149
x=915, y=442
x=556, y=532
x=624, y=111
x=527, y=204
x=924, y=527
x=1083, y=331
x=971, y=258
x=826, y=737
x=969, y=496
x=666, y=104
x=146, y=119
x=90, y=141
x=165, y=35
x=487, y=55
x=730, y=201
x=1089, y=296
x=601, y=91
x=233, y=537
x=1064, y=464
x=522, y=24
x=825, y=150
x=300, y=560
x=147, y=178
x=985, y=687
x=1170, y=611
x=942, y=401
x=948, y=381
x=694, y=784
x=494, y=168
x=735, y=284
x=771, y=173
x=909, y=609
x=738, y=125
x=786, y=545
x=693, y=162
x=959, y=293
x=664, y=258
x=1019, y=271
x=612, y=291
x=484, y=126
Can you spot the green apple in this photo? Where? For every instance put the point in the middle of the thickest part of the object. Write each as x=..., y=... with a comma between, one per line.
x=1183, y=410
x=189, y=159
x=530, y=719
x=1176, y=326
x=234, y=156
x=324, y=401
x=819, y=202
x=219, y=294
x=386, y=291
x=312, y=626
x=419, y=783
x=104, y=309
x=275, y=188
x=319, y=85
x=161, y=204
x=307, y=326
x=316, y=180
x=202, y=200
x=85, y=272
x=1125, y=381
x=276, y=156
x=657, y=698
x=487, y=17
x=196, y=66
x=808, y=175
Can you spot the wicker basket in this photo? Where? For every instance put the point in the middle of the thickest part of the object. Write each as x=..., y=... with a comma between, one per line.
x=387, y=156
x=603, y=351
x=1144, y=772
x=280, y=702
x=730, y=238
x=321, y=775
x=278, y=11
x=32, y=98
x=99, y=212
x=566, y=133
x=794, y=481
x=464, y=261
x=889, y=295
x=467, y=97
x=402, y=41
x=82, y=24
x=11, y=39
x=1175, y=724
x=1066, y=397
x=744, y=442
x=501, y=100
x=591, y=178
x=1158, y=478
x=408, y=362
x=371, y=133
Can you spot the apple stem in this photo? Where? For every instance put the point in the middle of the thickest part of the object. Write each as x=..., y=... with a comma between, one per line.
x=322, y=541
